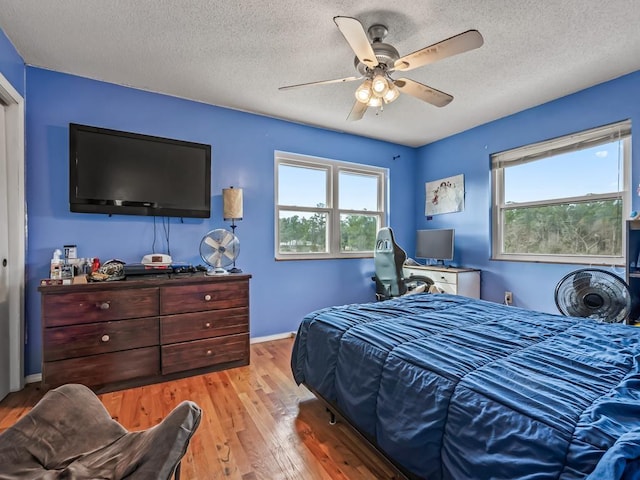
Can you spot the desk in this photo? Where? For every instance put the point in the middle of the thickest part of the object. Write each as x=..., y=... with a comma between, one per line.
x=456, y=281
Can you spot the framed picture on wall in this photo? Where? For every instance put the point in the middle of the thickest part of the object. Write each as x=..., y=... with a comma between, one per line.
x=445, y=195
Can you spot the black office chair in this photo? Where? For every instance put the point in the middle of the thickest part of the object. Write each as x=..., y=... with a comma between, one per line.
x=389, y=259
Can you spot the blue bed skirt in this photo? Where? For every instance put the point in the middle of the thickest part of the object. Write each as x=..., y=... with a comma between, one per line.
x=456, y=388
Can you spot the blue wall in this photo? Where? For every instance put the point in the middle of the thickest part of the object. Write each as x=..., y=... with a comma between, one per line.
x=242, y=155
x=11, y=64
x=469, y=153
x=243, y=146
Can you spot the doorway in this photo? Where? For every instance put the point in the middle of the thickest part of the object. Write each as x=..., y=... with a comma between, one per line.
x=12, y=238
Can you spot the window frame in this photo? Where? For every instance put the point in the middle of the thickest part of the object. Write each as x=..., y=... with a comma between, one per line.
x=542, y=150
x=332, y=210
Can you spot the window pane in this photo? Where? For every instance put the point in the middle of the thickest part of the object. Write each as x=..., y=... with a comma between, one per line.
x=358, y=192
x=574, y=174
x=358, y=232
x=304, y=187
x=302, y=232
x=586, y=228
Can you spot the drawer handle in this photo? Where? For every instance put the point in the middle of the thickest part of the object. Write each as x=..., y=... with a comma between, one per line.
x=209, y=352
x=103, y=305
x=207, y=325
x=105, y=338
x=207, y=297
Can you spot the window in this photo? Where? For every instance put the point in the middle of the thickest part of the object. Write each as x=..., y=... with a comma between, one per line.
x=326, y=208
x=564, y=200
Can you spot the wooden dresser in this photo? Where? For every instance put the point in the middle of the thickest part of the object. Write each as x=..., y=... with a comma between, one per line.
x=133, y=332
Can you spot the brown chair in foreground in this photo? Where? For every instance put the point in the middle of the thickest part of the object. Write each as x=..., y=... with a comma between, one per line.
x=70, y=435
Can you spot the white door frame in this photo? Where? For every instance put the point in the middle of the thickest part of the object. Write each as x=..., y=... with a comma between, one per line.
x=14, y=124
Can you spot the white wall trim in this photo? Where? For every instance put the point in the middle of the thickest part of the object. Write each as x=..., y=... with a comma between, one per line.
x=14, y=120
x=277, y=336
x=35, y=378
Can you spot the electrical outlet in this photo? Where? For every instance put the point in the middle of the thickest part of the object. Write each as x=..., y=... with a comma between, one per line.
x=508, y=298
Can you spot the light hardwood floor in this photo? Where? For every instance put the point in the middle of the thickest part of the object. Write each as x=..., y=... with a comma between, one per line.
x=256, y=424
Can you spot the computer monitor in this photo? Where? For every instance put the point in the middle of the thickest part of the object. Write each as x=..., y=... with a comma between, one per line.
x=436, y=244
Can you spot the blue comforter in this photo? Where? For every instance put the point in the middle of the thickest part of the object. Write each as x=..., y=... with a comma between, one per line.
x=455, y=388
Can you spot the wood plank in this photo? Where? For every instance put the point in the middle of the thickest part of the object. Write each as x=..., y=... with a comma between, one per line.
x=257, y=424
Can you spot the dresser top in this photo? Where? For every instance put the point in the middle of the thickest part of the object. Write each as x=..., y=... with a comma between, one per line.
x=147, y=281
x=436, y=268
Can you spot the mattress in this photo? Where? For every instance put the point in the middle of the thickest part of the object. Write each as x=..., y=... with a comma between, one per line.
x=450, y=387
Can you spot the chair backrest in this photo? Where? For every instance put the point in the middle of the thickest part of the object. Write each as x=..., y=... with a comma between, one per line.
x=388, y=260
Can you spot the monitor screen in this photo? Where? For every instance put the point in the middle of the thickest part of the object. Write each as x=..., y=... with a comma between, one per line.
x=128, y=173
x=435, y=244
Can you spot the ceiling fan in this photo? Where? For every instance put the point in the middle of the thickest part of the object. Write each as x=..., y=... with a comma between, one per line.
x=375, y=62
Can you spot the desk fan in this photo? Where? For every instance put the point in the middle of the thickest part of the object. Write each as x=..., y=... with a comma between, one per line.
x=219, y=248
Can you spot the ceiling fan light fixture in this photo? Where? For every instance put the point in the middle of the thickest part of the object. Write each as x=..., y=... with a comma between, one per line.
x=375, y=62
x=374, y=102
x=391, y=94
x=363, y=92
x=379, y=85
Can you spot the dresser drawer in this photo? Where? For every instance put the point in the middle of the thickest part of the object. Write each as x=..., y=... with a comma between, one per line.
x=442, y=287
x=206, y=296
x=204, y=353
x=97, y=370
x=444, y=277
x=98, y=306
x=195, y=326
x=95, y=338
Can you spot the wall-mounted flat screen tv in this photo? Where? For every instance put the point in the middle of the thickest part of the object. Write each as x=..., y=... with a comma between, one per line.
x=116, y=172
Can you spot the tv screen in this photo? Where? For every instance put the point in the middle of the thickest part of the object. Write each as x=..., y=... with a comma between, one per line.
x=125, y=173
x=435, y=244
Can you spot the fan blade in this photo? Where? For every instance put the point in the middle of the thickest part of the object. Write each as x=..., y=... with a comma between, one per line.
x=463, y=42
x=211, y=258
x=226, y=240
x=230, y=254
x=357, y=112
x=423, y=92
x=322, y=82
x=212, y=243
x=356, y=37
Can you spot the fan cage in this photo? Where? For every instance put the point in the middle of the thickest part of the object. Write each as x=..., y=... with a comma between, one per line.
x=594, y=293
x=219, y=248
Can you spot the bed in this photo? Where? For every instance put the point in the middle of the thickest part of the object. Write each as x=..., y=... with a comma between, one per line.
x=449, y=387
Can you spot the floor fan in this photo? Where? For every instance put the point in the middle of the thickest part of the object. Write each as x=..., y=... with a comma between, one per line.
x=594, y=293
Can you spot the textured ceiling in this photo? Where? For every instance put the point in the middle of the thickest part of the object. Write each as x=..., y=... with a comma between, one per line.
x=237, y=54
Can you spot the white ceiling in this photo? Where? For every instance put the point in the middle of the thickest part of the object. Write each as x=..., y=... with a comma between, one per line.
x=237, y=54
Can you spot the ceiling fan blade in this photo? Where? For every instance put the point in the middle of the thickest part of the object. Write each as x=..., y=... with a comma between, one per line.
x=357, y=39
x=357, y=112
x=423, y=92
x=451, y=46
x=322, y=82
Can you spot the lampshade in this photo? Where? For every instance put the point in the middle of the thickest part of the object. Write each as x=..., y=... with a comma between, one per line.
x=379, y=85
x=232, y=203
x=374, y=102
x=363, y=92
x=391, y=94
